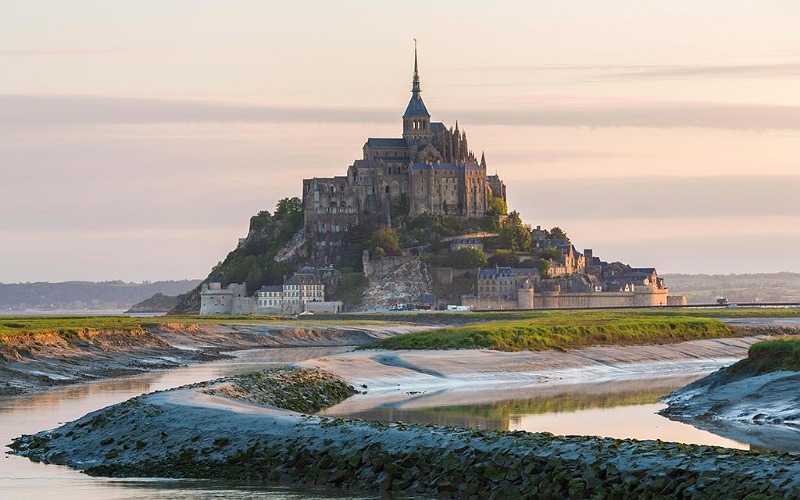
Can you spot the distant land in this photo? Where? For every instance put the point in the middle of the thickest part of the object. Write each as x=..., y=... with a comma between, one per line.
x=85, y=295
x=706, y=288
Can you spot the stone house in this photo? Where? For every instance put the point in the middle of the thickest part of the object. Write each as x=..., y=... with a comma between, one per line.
x=459, y=243
x=301, y=289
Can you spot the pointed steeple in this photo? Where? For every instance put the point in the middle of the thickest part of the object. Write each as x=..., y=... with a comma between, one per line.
x=416, y=119
x=483, y=160
x=415, y=83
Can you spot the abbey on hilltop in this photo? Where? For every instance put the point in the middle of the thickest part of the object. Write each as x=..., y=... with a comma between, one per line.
x=429, y=169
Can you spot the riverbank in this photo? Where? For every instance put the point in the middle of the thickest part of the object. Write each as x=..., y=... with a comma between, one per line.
x=755, y=399
x=38, y=360
x=428, y=378
x=192, y=432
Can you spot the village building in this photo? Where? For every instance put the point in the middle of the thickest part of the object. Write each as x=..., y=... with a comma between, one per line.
x=214, y=299
x=304, y=292
x=459, y=243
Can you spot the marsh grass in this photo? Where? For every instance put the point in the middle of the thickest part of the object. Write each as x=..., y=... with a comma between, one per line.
x=66, y=326
x=70, y=326
x=770, y=356
x=564, y=330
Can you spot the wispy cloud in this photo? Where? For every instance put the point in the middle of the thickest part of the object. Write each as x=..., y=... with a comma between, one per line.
x=92, y=110
x=56, y=52
x=653, y=198
x=650, y=71
x=744, y=70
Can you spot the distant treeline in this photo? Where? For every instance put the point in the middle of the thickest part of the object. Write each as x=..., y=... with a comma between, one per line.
x=80, y=295
x=705, y=288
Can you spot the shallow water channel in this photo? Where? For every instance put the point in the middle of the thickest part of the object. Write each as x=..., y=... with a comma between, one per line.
x=619, y=409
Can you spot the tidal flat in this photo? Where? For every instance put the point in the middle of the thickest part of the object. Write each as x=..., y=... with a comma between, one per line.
x=195, y=432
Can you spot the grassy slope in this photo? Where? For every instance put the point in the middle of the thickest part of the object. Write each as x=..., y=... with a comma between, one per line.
x=510, y=331
x=69, y=325
x=565, y=330
x=770, y=356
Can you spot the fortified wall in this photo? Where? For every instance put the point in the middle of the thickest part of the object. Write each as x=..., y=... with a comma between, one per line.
x=645, y=297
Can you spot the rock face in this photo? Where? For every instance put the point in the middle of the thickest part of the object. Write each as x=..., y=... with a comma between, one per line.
x=763, y=410
x=405, y=283
x=188, y=433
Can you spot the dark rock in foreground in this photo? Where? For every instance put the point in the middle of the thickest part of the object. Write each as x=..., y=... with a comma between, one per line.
x=191, y=433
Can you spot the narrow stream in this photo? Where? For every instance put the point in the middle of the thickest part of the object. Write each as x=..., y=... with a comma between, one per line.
x=22, y=479
x=617, y=409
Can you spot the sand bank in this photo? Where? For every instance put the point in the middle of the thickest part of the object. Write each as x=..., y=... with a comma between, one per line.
x=408, y=379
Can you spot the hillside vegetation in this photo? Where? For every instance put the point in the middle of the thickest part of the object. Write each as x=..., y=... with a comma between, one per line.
x=265, y=257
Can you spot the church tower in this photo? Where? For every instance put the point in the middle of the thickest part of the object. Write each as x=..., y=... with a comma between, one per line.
x=416, y=119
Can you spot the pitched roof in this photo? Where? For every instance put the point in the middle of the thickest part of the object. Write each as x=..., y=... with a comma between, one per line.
x=377, y=142
x=416, y=108
x=437, y=166
x=304, y=279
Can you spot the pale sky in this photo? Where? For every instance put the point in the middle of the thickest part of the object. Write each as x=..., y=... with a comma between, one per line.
x=137, y=138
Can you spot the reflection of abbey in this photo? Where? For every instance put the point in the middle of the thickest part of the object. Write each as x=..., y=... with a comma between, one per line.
x=429, y=169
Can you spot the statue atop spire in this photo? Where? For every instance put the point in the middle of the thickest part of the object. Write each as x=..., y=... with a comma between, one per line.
x=415, y=85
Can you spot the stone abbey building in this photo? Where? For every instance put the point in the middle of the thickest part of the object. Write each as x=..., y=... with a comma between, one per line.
x=430, y=169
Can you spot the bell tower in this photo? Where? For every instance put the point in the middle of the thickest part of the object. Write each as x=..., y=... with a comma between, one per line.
x=416, y=119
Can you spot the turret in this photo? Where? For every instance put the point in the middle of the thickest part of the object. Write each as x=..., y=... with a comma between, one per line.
x=416, y=119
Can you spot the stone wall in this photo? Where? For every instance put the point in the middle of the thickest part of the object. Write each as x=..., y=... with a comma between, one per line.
x=559, y=300
x=328, y=307
x=442, y=275
x=489, y=303
x=676, y=300
x=217, y=300
x=382, y=267
x=639, y=298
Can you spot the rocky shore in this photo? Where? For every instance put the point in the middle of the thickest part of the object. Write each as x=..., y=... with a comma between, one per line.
x=37, y=362
x=756, y=400
x=196, y=432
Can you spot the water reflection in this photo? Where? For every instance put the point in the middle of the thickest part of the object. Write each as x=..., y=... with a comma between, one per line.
x=586, y=409
x=21, y=478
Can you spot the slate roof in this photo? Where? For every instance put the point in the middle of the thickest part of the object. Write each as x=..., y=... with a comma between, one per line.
x=377, y=142
x=274, y=288
x=416, y=108
x=304, y=279
x=437, y=166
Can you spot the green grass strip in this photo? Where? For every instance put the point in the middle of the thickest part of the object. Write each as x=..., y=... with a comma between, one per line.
x=563, y=332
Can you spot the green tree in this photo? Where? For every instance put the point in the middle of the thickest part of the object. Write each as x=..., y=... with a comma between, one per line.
x=542, y=265
x=385, y=241
x=550, y=253
x=558, y=234
x=466, y=258
x=497, y=206
x=513, y=235
x=287, y=207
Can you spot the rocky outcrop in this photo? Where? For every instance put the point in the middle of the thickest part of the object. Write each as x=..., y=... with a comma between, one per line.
x=756, y=400
x=405, y=283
